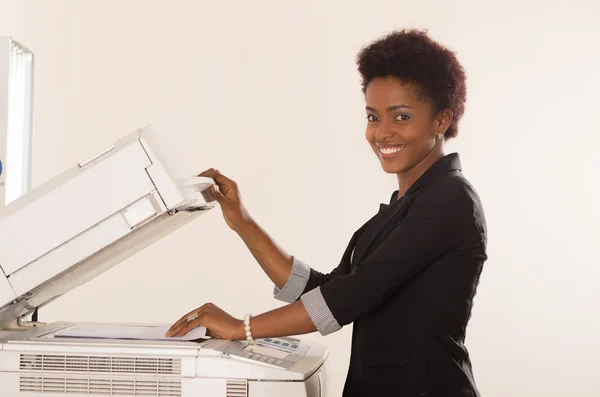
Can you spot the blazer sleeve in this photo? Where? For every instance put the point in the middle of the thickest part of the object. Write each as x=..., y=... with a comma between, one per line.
x=304, y=278
x=433, y=226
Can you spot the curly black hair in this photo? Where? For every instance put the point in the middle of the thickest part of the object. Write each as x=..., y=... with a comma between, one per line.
x=412, y=56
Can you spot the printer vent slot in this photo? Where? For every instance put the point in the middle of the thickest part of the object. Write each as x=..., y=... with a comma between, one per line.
x=100, y=364
x=101, y=386
x=237, y=388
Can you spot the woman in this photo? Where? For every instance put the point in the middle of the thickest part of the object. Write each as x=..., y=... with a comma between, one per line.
x=408, y=276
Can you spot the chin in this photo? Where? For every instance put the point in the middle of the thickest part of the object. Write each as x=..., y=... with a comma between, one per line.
x=394, y=168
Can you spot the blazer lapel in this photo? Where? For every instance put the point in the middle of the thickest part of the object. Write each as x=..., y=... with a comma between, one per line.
x=379, y=222
x=444, y=165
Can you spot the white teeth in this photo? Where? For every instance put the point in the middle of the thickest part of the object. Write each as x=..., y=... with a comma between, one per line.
x=390, y=150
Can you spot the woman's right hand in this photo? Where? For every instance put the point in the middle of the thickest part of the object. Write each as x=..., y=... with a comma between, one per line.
x=226, y=193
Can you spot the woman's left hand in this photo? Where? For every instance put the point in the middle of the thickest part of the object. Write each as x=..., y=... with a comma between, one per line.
x=218, y=323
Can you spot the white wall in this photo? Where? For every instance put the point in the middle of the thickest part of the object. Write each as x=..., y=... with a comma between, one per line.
x=267, y=92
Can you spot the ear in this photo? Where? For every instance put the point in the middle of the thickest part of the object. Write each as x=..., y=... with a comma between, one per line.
x=443, y=120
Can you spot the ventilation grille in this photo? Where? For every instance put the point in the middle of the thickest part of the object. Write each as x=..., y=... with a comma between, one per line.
x=103, y=387
x=237, y=388
x=100, y=364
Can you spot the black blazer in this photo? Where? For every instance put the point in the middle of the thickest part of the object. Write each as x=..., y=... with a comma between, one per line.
x=407, y=281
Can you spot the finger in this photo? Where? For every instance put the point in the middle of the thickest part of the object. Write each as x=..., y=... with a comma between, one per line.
x=176, y=329
x=218, y=177
x=185, y=317
x=217, y=195
x=171, y=330
x=191, y=325
x=209, y=173
x=182, y=321
x=214, y=174
x=192, y=316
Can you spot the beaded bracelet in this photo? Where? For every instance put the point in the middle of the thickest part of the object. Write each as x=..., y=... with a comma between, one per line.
x=249, y=338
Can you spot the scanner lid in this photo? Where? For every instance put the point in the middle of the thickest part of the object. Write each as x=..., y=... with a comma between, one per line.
x=90, y=218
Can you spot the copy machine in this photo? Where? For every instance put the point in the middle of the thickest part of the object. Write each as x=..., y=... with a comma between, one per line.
x=81, y=223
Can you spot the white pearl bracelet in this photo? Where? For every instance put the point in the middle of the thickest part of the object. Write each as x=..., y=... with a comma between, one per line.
x=249, y=338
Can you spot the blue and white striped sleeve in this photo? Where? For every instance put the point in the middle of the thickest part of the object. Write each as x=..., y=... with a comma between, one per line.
x=313, y=301
x=319, y=312
x=295, y=284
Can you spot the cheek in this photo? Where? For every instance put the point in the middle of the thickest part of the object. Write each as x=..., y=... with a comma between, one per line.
x=419, y=133
x=370, y=134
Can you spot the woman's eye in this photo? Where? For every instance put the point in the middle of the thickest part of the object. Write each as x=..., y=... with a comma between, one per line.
x=402, y=117
x=371, y=118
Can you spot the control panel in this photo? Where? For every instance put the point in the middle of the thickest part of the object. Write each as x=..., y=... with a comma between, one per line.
x=281, y=352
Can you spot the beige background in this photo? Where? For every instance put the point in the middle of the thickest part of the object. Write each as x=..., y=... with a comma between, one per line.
x=267, y=91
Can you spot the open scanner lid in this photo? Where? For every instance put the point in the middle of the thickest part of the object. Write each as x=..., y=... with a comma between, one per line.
x=90, y=218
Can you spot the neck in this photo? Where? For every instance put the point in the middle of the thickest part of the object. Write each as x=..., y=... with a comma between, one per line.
x=406, y=179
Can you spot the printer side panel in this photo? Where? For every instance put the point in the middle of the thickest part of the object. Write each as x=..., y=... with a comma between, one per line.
x=72, y=252
x=7, y=293
x=73, y=207
x=163, y=171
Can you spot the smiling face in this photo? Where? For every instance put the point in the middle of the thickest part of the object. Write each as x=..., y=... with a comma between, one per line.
x=402, y=128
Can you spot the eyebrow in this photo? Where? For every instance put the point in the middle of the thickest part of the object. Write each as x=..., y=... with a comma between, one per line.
x=394, y=107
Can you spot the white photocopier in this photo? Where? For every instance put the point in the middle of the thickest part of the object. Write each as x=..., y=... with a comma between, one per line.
x=81, y=223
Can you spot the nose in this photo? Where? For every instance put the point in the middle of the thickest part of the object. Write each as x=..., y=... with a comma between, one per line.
x=385, y=130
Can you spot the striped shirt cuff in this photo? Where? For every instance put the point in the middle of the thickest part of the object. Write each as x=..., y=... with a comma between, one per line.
x=295, y=284
x=319, y=312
